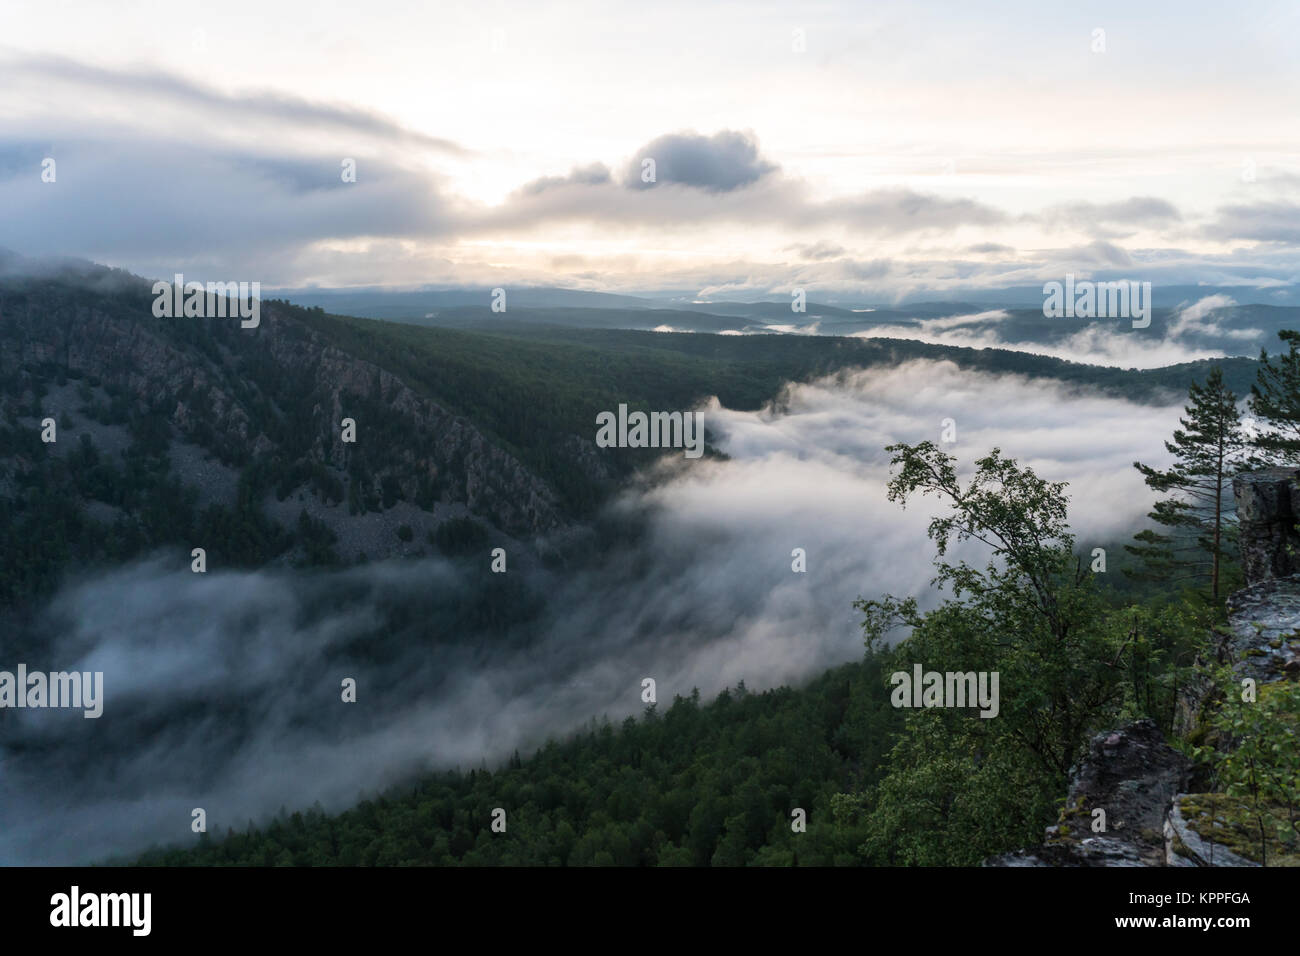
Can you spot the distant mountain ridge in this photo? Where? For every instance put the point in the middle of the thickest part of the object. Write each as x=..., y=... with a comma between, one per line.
x=1015, y=320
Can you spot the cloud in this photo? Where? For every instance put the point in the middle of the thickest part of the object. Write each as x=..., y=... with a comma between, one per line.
x=896, y=211
x=222, y=690
x=1193, y=315
x=718, y=180
x=1277, y=222
x=594, y=174
x=1100, y=344
x=774, y=202
x=719, y=163
x=1095, y=343
x=1098, y=254
x=1147, y=212
x=232, y=209
x=1205, y=317
x=208, y=109
x=952, y=321
x=159, y=172
x=818, y=251
x=164, y=204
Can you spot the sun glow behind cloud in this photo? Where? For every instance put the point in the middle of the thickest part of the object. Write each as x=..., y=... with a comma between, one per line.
x=986, y=122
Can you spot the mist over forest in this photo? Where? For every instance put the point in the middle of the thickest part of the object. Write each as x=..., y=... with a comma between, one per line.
x=222, y=689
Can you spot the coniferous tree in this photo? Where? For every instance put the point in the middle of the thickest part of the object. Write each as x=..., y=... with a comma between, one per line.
x=1275, y=402
x=1199, y=512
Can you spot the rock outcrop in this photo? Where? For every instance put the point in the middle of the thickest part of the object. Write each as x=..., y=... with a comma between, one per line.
x=1118, y=800
x=1268, y=510
x=1184, y=844
x=1263, y=636
x=1132, y=773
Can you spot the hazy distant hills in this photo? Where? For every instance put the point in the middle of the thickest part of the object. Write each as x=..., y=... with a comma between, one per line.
x=929, y=302
x=1186, y=322
x=1166, y=296
x=386, y=304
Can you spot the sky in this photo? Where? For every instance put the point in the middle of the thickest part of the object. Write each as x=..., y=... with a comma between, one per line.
x=873, y=150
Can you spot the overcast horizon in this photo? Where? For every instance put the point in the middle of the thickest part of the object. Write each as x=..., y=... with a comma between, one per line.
x=868, y=154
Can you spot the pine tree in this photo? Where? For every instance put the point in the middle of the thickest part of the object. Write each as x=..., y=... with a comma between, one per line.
x=1275, y=401
x=1207, y=451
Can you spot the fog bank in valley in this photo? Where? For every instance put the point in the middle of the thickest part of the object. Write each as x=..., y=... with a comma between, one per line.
x=222, y=690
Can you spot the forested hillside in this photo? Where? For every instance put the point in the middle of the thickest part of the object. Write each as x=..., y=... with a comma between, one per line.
x=689, y=785
x=175, y=431
x=844, y=771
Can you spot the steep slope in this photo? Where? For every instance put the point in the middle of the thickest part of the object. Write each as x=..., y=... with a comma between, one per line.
x=1142, y=784
x=198, y=431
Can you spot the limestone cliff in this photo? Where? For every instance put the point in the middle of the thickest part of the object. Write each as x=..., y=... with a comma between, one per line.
x=1132, y=774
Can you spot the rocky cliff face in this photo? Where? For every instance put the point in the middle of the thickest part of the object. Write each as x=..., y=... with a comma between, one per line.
x=1125, y=784
x=1268, y=510
x=1131, y=773
x=1264, y=617
x=277, y=393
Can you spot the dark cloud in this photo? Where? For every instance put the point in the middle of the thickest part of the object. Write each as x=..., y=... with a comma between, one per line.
x=1261, y=222
x=154, y=202
x=817, y=251
x=774, y=200
x=860, y=269
x=595, y=174
x=1097, y=254
x=211, y=106
x=1101, y=219
x=719, y=163
x=896, y=211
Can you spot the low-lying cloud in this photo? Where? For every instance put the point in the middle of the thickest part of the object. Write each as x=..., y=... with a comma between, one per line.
x=1184, y=338
x=222, y=691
